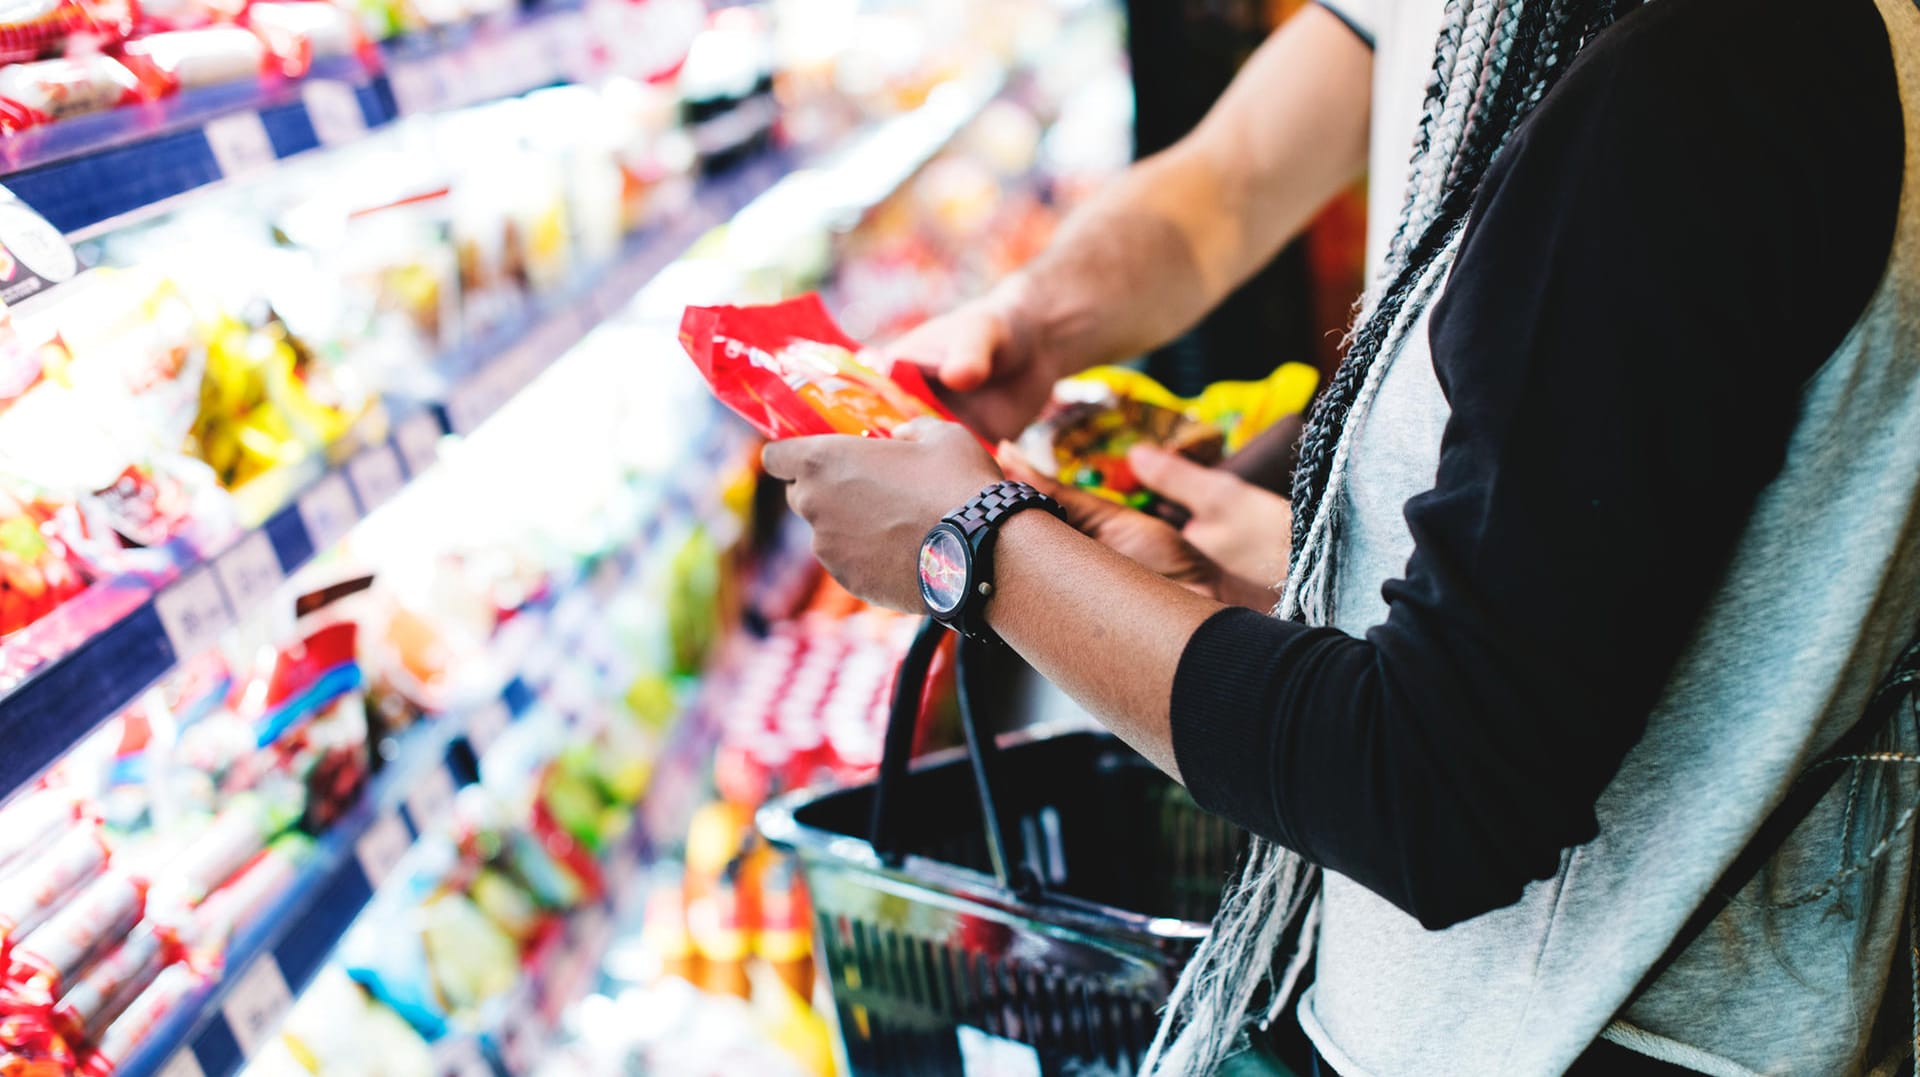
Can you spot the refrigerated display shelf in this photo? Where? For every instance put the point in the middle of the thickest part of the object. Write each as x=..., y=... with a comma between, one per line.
x=273, y=958
x=85, y=171
x=64, y=701
x=59, y=704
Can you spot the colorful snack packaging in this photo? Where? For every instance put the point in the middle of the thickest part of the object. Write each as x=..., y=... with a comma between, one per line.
x=30, y=822
x=99, y=994
x=1085, y=443
x=121, y=1038
x=1084, y=435
x=47, y=90
x=183, y=59
x=788, y=370
x=31, y=894
x=41, y=965
x=39, y=28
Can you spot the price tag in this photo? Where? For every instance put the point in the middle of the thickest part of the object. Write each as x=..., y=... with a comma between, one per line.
x=472, y=402
x=240, y=144
x=328, y=511
x=193, y=611
x=418, y=437
x=431, y=801
x=607, y=577
x=249, y=572
x=334, y=109
x=256, y=1004
x=380, y=849
x=983, y=1054
x=520, y=1038
x=182, y=1064
x=376, y=476
x=416, y=87
x=486, y=725
x=459, y=1056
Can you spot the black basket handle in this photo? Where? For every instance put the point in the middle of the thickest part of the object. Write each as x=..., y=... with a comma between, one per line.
x=896, y=754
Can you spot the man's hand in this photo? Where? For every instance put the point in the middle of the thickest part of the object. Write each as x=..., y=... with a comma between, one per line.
x=1246, y=529
x=985, y=360
x=871, y=500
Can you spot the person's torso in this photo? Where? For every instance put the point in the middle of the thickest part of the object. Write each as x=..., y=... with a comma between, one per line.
x=1822, y=591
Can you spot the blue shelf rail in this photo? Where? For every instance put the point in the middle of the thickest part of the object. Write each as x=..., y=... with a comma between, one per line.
x=61, y=703
x=86, y=171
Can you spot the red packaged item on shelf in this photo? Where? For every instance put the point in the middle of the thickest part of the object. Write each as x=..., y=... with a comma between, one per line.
x=298, y=32
x=37, y=569
x=41, y=965
x=787, y=369
x=99, y=994
x=183, y=59
x=30, y=823
x=121, y=1038
x=43, y=91
x=39, y=28
x=32, y=893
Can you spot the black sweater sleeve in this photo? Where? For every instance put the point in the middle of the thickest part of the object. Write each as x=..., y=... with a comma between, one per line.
x=1670, y=247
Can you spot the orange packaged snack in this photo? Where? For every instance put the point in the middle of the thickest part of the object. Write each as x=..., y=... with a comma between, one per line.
x=787, y=369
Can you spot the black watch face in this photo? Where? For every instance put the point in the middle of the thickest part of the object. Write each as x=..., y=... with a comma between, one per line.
x=943, y=571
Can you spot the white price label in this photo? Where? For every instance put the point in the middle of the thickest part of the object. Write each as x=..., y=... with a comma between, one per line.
x=256, y=1004
x=240, y=144
x=459, y=1056
x=607, y=577
x=380, y=849
x=520, y=1037
x=418, y=437
x=431, y=802
x=193, y=611
x=990, y=1056
x=416, y=87
x=335, y=111
x=486, y=725
x=474, y=400
x=571, y=42
x=249, y=572
x=328, y=511
x=376, y=476
x=182, y=1064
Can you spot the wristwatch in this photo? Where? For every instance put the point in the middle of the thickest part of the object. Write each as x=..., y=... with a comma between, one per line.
x=956, y=557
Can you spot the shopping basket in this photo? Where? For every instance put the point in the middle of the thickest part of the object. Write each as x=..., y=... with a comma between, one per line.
x=1041, y=938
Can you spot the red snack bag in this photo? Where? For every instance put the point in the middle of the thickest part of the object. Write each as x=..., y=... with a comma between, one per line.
x=109, y=985
x=161, y=997
x=40, y=966
x=33, y=891
x=47, y=90
x=787, y=369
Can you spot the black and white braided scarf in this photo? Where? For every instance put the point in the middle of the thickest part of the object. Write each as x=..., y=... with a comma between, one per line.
x=1493, y=62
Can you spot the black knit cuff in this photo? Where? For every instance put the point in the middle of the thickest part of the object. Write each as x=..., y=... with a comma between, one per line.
x=1221, y=716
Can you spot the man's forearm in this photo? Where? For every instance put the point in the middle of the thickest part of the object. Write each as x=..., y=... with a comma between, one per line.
x=1158, y=248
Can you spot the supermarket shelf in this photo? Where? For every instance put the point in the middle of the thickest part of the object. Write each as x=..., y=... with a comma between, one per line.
x=61, y=703
x=272, y=959
x=85, y=171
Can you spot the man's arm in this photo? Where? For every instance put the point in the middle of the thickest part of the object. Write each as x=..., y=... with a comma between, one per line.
x=1149, y=255
x=1156, y=250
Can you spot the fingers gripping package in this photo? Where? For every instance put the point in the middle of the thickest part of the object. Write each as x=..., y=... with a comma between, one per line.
x=1094, y=418
x=788, y=370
